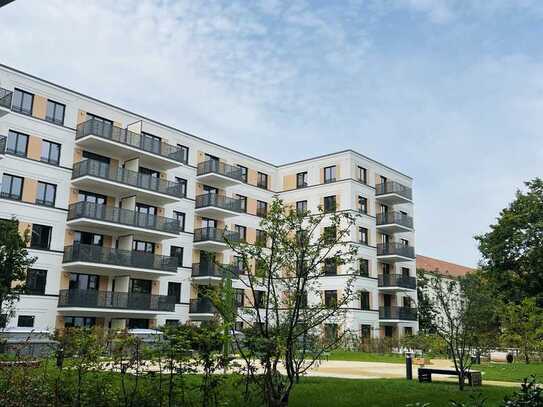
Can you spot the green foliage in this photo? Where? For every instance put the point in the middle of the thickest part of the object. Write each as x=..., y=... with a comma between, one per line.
x=431, y=345
x=425, y=311
x=530, y=394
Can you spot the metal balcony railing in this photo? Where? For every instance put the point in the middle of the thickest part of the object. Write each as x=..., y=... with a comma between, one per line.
x=397, y=280
x=125, y=258
x=215, y=234
x=116, y=300
x=135, y=179
x=5, y=98
x=122, y=216
x=394, y=217
x=124, y=136
x=395, y=248
x=3, y=140
x=393, y=187
x=201, y=306
x=218, y=201
x=399, y=313
x=217, y=167
x=214, y=270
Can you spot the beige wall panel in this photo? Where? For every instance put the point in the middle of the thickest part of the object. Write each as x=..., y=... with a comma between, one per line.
x=155, y=287
x=30, y=189
x=24, y=228
x=108, y=241
x=39, y=107
x=34, y=148
x=110, y=201
x=78, y=155
x=338, y=171
x=251, y=177
x=104, y=280
x=68, y=237
x=81, y=116
x=200, y=157
x=59, y=322
x=64, y=280
x=289, y=182
x=195, y=256
x=251, y=235
x=251, y=206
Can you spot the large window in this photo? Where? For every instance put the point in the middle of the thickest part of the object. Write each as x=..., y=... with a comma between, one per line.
x=301, y=207
x=365, y=331
x=141, y=246
x=185, y=152
x=35, y=281
x=362, y=175
x=89, y=238
x=329, y=174
x=262, y=180
x=331, y=332
x=180, y=216
x=46, y=194
x=261, y=237
x=183, y=183
x=41, y=236
x=84, y=281
x=22, y=102
x=25, y=321
x=17, y=143
x=301, y=180
x=50, y=152
x=365, y=300
x=364, y=267
x=363, y=204
x=99, y=119
x=79, y=322
x=150, y=172
x=261, y=208
x=244, y=173
x=330, y=203
x=85, y=196
x=243, y=202
x=55, y=112
x=330, y=266
x=12, y=187
x=242, y=231
x=138, y=323
x=330, y=234
x=174, y=290
x=176, y=251
x=150, y=142
x=140, y=286
x=330, y=298
x=97, y=157
x=364, y=235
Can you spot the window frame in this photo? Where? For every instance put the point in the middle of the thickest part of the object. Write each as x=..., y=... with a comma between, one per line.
x=17, y=135
x=183, y=182
x=44, y=202
x=326, y=206
x=185, y=151
x=9, y=194
x=364, y=237
x=365, y=301
x=48, y=160
x=364, y=267
x=174, y=252
x=243, y=200
x=363, y=178
x=329, y=178
x=175, y=292
x=363, y=204
x=183, y=215
x=260, y=176
x=29, y=290
x=53, y=119
x=301, y=207
x=31, y=318
x=301, y=183
x=244, y=172
x=261, y=208
x=242, y=231
x=20, y=109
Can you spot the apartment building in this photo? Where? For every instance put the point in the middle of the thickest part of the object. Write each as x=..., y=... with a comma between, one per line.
x=128, y=216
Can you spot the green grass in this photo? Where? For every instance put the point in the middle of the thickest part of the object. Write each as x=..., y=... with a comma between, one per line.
x=510, y=372
x=366, y=357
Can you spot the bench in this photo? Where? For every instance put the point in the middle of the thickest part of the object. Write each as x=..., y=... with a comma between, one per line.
x=474, y=377
x=421, y=361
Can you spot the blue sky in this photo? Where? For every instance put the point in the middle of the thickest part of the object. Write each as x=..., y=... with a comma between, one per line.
x=449, y=92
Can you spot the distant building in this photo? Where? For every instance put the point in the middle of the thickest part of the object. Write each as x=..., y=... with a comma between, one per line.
x=444, y=268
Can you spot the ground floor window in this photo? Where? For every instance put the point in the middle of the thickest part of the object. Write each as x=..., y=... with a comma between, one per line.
x=408, y=331
x=138, y=324
x=365, y=331
x=25, y=321
x=389, y=331
x=79, y=322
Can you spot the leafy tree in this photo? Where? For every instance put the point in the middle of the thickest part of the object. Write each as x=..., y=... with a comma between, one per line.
x=286, y=311
x=523, y=327
x=512, y=251
x=426, y=313
x=14, y=263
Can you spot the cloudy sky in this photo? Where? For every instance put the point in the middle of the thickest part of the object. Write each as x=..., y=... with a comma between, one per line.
x=449, y=92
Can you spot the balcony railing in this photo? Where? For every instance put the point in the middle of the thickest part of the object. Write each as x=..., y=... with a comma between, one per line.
x=392, y=187
x=3, y=140
x=116, y=300
x=217, y=167
x=122, y=216
x=398, y=313
x=397, y=280
x=201, y=306
x=395, y=248
x=215, y=234
x=214, y=270
x=123, y=136
x=5, y=98
x=218, y=201
x=116, y=257
x=135, y=179
x=394, y=217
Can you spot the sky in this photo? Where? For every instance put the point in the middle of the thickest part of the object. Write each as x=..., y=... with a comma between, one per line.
x=448, y=92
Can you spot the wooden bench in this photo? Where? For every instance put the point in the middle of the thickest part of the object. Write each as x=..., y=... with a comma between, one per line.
x=425, y=375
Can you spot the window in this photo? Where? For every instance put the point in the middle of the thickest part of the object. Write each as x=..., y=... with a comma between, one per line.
x=100, y=158
x=244, y=172
x=46, y=194
x=330, y=203
x=365, y=300
x=92, y=197
x=405, y=272
x=261, y=208
x=301, y=207
x=243, y=202
x=260, y=299
x=180, y=216
x=79, y=322
x=237, y=262
x=405, y=242
x=141, y=246
x=150, y=172
x=17, y=143
x=330, y=298
x=50, y=152
x=12, y=187
x=364, y=235
x=55, y=112
x=184, y=153
x=183, y=183
x=176, y=251
x=329, y=174
x=145, y=209
x=330, y=332
x=140, y=286
x=174, y=290
x=364, y=267
x=93, y=239
x=330, y=266
x=261, y=237
x=210, y=190
x=389, y=331
x=362, y=175
x=41, y=236
x=35, y=281
x=407, y=331
x=365, y=331
x=385, y=268
x=22, y=102
x=84, y=281
x=103, y=120
x=150, y=142
x=407, y=302
x=262, y=180
x=363, y=204
x=242, y=231
x=301, y=180
x=25, y=321
x=172, y=322
x=138, y=324
x=209, y=223
x=212, y=158
x=330, y=234
x=239, y=297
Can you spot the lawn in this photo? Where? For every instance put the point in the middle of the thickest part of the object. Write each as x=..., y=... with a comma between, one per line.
x=367, y=357
x=513, y=372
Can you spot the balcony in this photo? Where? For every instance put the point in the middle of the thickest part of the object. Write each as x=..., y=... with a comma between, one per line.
x=108, y=140
x=218, y=174
x=108, y=180
x=394, y=222
x=397, y=314
x=3, y=141
x=5, y=101
x=393, y=252
x=214, y=239
x=396, y=282
x=209, y=273
x=201, y=309
x=217, y=206
x=392, y=193
x=110, y=261
x=96, y=218
x=113, y=301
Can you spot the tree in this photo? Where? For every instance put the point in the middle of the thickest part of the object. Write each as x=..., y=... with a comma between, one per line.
x=287, y=308
x=512, y=251
x=523, y=327
x=426, y=313
x=14, y=263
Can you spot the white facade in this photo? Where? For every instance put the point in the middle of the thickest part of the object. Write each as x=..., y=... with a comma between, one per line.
x=123, y=157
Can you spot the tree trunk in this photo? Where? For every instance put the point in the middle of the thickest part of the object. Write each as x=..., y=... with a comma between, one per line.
x=461, y=381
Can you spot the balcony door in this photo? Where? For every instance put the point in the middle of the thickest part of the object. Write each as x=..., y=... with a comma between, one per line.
x=140, y=294
x=209, y=223
x=210, y=190
x=207, y=260
x=387, y=300
x=84, y=289
x=146, y=215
